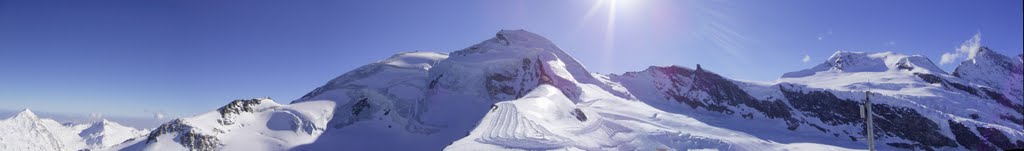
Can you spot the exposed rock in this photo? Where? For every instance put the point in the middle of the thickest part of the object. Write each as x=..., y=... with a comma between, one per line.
x=967, y=138
x=997, y=138
x=236, y=107
x=187, y=136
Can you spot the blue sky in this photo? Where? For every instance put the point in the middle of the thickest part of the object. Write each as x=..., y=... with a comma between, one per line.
x=142, y=57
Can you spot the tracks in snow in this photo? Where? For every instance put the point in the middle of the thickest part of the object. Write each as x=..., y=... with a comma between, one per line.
x=506, y=127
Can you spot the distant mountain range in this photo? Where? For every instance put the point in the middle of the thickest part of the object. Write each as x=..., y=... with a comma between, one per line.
x=26, y=131
x=519, y=91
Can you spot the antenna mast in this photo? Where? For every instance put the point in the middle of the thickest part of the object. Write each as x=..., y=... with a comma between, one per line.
x=869, y=124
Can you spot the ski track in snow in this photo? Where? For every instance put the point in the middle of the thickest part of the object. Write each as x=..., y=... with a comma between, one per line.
x=510, y=129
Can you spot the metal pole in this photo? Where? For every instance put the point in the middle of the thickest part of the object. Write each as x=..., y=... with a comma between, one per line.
x=870, y=124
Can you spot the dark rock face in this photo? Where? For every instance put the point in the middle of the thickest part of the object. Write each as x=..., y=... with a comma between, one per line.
x=968, y=139
x=238, y=106
x=999, y=139
x=896, y=121
x=196, y=141
x=907, y=123
x=825, y=106
x=234, y=108
x=186, y=136
x=930, y=78
x=510, y=85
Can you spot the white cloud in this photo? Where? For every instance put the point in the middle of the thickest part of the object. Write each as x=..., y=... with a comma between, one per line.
x=821, y=36
x=968, y=49
x=806, y=59
x=96, y=115
x=158, y=115
x=949, y=58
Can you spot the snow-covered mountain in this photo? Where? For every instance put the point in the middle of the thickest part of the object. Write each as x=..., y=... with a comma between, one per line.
x=917, y=106
x=253, y=124
x=26, y=131
x=518, y=91
x=1001, y=73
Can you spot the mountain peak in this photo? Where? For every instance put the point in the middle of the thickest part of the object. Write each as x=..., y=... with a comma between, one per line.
x=984, y=58
x=104, y=122
x=26, y=113
x=986, y=54
x=995, y=70
x=511, y=41
x=520, y=36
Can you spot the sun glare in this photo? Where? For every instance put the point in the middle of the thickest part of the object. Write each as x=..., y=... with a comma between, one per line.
x=622, y=4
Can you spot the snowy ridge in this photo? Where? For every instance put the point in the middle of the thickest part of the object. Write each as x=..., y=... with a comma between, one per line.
x=851, y=62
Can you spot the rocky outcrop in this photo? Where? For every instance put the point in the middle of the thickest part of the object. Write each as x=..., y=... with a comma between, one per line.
x=186, y=136
x=965, y=137
x=228, y=112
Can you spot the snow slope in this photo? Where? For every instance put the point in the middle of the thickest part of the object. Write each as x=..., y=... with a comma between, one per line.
x=545, y=119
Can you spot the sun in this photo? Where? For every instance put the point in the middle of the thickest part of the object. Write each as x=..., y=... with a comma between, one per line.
x=621, y=4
